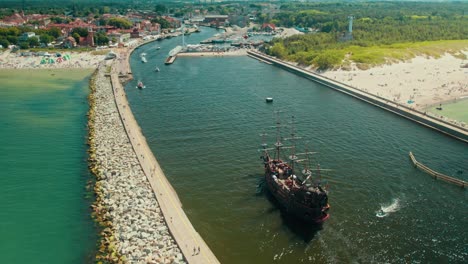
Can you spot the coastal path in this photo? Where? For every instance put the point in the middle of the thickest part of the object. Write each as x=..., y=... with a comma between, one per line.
x=192, y=245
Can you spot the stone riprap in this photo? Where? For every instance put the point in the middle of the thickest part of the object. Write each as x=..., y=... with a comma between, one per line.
x=135, y=230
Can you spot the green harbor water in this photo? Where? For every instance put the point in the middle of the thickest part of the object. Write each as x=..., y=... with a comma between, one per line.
x=202, y=118
x=44, y=209
x=457, y=110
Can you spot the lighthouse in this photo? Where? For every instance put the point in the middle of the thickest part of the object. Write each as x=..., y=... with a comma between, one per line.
x=350, y=26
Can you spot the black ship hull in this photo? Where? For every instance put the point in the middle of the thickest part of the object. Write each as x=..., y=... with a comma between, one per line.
x=295, y=203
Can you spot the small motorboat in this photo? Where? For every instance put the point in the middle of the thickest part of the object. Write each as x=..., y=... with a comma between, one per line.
x=269, y=99
x=158, y=47
x=143, y=59
x=140, y=85
x=156, y=69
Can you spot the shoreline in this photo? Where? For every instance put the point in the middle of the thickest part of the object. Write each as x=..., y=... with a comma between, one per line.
x=76, y=60
x=436, y=123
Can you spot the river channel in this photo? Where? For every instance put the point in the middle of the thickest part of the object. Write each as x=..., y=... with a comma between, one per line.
x=202, y=117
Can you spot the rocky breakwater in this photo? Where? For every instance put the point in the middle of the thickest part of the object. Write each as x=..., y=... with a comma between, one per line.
x=133, y=227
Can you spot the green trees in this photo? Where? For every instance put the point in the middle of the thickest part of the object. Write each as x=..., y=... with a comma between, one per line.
x=46, y=39
x=101, y=39
x=278, y=50
x=81, y=32
x=327, y=59
x=33, y=42
x=163, y=22
x=76, y=36
x=4, y=43
x=377, y=25
x=160, y=9
x=119, y=22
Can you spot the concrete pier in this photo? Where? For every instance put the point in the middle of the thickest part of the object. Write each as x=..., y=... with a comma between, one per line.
x=440, y=125
x=192, y=245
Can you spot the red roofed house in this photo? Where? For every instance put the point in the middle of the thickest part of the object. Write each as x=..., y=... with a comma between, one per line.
x=15, y=19
x=268, y=27
x=174, y=22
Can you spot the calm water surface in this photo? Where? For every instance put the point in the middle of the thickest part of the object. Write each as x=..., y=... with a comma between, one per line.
x=44, y=216
x=202, y=118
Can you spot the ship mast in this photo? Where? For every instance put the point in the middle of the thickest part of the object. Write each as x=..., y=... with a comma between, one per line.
x=278, y=143
x=293, y=158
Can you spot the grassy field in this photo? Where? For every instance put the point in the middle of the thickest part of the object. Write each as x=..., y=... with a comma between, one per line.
x=376, y=55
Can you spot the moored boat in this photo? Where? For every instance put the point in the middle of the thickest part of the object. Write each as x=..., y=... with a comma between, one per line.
x=140, y=85
x=302, y=197
x=170, y=60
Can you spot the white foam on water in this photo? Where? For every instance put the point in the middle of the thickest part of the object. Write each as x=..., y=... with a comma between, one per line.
x=385, y=210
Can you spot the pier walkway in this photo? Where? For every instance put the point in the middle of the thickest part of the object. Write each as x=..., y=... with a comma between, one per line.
x=436, y=174
x=193, y=247
x=440, y=125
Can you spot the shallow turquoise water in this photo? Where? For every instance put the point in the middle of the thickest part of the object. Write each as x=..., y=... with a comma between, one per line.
x=44, y=216
x=202, y=118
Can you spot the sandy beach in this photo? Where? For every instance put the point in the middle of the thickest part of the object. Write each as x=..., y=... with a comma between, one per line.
x=9, y=60
x=419, y=83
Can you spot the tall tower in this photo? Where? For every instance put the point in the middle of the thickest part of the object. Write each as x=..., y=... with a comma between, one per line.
x=90, y=37
x=350, y=26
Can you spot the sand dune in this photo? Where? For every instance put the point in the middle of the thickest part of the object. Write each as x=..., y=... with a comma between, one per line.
x=418, y=83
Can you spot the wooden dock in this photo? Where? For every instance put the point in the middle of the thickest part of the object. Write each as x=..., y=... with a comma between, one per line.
x=436, y=174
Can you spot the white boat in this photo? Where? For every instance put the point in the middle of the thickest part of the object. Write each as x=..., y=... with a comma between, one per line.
x=140, y=85
x=158, y=47
x=175, y=50
x=143, y=54
x=143, y=59
x=156, y=69
x=269, y=99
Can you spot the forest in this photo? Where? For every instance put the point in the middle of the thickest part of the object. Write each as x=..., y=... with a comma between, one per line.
x=381, y=31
